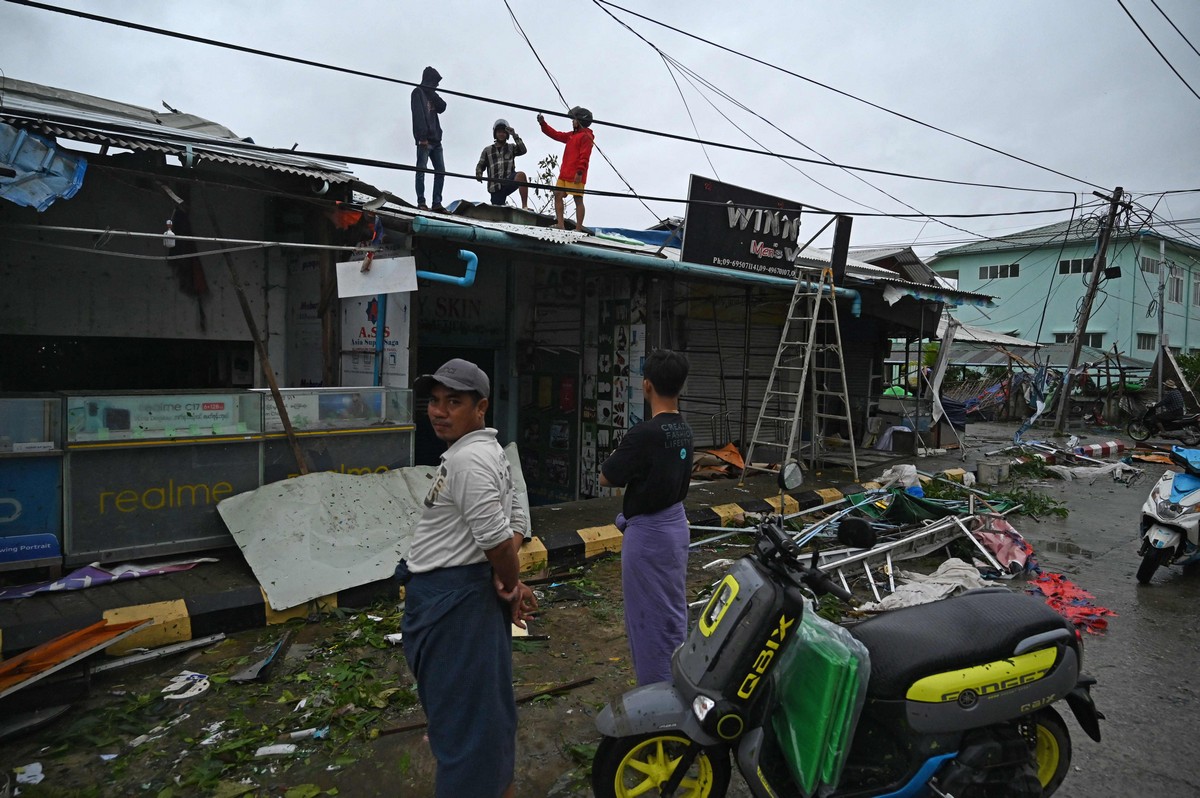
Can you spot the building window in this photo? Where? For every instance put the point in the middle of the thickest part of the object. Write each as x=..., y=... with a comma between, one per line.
x=1000, y=272
x=1146, y=341
x=1175, y=286
x=1095, y=340
x=1196, y=293
x=951, y=274
x=1149, y=265
x=1075, y=266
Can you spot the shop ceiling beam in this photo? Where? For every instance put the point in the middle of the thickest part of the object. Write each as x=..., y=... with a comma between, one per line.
x=450, y=231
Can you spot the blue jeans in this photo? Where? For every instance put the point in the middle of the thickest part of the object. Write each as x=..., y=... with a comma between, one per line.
x=425, y=154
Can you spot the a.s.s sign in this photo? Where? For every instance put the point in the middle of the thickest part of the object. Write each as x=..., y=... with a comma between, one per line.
x=736, y=228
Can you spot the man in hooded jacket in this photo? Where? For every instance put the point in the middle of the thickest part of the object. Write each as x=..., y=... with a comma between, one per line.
x=427, y=131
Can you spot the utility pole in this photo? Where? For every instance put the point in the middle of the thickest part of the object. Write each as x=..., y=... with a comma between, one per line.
x=1097, y=268
x=1162, y=282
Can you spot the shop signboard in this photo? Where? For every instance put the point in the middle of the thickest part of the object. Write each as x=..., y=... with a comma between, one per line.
x=148, y=500
x=735, y=228
x=30, y=515
x=359, y=325
x=357, y=453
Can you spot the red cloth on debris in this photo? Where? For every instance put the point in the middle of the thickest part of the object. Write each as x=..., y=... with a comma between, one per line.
x=1005, y=542
x=1072, y=602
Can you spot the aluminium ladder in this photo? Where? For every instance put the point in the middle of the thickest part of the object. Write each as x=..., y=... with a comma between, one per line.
x=808, y=378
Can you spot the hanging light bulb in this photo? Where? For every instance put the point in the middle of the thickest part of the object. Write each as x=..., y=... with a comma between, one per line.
x=169, y=236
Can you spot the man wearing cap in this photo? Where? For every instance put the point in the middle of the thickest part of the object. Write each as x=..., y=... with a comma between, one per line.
x=462, y=591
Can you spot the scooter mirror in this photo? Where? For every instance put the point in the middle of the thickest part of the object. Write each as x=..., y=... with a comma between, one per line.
x=856, y=533
x=791, y=476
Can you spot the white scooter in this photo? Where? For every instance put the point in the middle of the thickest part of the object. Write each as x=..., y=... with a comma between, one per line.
x=1171, y=517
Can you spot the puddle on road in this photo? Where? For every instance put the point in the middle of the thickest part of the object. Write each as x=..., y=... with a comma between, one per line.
x=1059, y=547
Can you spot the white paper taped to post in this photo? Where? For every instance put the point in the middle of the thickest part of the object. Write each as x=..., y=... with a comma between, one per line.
x=386, y=276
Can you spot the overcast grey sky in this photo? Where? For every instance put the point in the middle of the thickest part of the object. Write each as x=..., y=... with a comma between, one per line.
x=1068, y=84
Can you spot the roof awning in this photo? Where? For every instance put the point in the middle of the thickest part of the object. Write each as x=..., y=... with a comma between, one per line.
x=189, y=151
x=894, y=291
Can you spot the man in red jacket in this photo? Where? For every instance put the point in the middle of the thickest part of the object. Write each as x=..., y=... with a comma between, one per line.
x=572, y=175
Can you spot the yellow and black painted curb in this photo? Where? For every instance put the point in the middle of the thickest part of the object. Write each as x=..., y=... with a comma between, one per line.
x=180, y=619
x=569, y=548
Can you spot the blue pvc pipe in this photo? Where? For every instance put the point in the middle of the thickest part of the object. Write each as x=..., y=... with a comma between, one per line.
x=466, y=281
x=451, y=231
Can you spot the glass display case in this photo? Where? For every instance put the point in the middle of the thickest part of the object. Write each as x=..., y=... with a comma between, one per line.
x=150, y=415
x=30, y=424
x=311, y=409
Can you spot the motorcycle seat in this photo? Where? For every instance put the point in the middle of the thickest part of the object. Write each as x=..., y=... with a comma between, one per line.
x=972, y=629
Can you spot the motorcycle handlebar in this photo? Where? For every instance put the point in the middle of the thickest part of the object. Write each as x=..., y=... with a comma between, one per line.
x=811, y=575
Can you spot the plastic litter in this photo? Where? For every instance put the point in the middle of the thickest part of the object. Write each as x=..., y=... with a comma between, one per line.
x=30, y=774
x=395, y=639
x=187, y=684
x=279, y=749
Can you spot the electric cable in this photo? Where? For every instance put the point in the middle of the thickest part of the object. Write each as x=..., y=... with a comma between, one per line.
x=733, y=101
x=846, y=94
x=521, y=106
x=1050, y=289
x=1176, y=27
x=563, y=99
x=1146, y=36
x=135, y=134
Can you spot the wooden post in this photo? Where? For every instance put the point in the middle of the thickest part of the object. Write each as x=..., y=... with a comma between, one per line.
x=268, y=372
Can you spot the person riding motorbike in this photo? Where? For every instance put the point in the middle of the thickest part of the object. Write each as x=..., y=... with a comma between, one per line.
x=1171, y=406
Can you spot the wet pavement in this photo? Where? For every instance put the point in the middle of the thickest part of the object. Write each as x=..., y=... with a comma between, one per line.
x=1148, y=659
x=1144, y=661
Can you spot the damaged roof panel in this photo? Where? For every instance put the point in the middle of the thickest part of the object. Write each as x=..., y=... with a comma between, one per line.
x=80, y=117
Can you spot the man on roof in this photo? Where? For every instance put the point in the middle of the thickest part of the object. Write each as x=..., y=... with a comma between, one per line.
x=572, y=173
x=499, y=160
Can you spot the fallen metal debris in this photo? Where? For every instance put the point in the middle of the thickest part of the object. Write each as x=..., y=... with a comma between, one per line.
x=156, y=653
x=257, y=670
x=54, y=655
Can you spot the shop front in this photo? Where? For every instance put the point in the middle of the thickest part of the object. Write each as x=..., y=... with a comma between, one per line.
x=140, y=474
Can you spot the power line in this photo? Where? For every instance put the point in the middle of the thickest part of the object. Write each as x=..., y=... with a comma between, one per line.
x=1146, y=36
x=566, y=104
x=1176, y=27
x=134, y=134
x=848, y=94
x=686, y=72
x=521, y=106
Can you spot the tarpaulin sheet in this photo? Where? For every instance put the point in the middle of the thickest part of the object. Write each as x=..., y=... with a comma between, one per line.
x=44, y=173
x=903, y=508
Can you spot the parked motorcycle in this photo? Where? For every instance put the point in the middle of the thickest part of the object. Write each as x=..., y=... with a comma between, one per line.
x=953, y=698
x=1185, y=429
x=1171, y=517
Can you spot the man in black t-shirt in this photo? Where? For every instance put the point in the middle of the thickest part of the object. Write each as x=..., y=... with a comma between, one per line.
x=653, y=463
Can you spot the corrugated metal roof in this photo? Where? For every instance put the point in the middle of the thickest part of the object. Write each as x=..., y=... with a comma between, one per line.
x=1079, y=231
x=811, y=257
x=1052, y=234
x=81, y=117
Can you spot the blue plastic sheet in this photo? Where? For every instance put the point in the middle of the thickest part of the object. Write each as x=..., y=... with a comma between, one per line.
x=44, y=173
